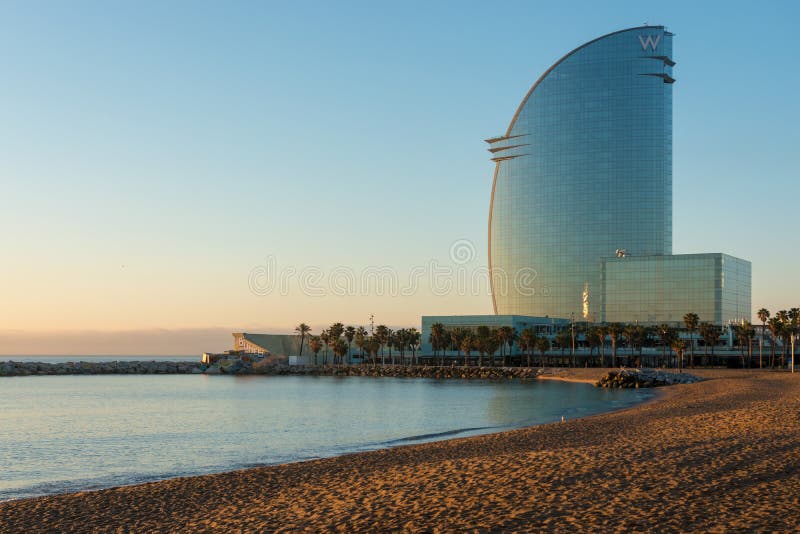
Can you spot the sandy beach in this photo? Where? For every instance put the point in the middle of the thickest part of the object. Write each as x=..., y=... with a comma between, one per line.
x=723, y=454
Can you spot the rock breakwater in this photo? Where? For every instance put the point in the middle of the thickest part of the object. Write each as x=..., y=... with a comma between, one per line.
x=410, y=371
x=625, y=378
x=12, y=368
x=644, y=378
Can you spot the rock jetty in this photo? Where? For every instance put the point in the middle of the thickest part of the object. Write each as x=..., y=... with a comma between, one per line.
x=12, y=368
x=406, y=371
x=625, y=378
x=644, y=378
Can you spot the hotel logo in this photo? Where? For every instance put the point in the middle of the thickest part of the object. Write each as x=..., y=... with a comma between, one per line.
x=649, y=41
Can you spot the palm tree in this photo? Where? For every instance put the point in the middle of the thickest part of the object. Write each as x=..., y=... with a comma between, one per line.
x=413, y=343
x=592, y=340
x=506, y=335
x=763, y=316
x=382, y=334
x=775, y=330
x=704, y=330
x=401, y=343
x=783, y=317
x=302, y=329
x=466, y=345
x=630, y=333
x=563, y=340
x=691, y=320
x=528, y=341
x=678, y=345
x=712, y=335
x=455, y=337
x=642, y=335
x=738, y=331
x=512, y=338
x=436, y=339
x=361, y=340
x=373, y=344
x=396, y=343
x=793, y=327
x=614, y=330
x=543, y=345
x=339, y=349
x=349, y=335
x=482, y=335
x=491, y=345
x=325, y=336
x=315, y=345
x=750, y=333
x=744, y=334
x=667, y=335
x=601, y=333
x=334, y=333
x=390, y=344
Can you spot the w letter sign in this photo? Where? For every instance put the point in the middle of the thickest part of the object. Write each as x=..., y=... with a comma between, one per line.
x=649, y=41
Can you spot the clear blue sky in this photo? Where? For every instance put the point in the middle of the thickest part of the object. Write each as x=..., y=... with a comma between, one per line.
x=153, y=154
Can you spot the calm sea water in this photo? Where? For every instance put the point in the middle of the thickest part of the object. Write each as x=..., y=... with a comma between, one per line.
x=71, y=433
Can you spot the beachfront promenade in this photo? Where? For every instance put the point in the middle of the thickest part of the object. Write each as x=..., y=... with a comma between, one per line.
x=716, y=455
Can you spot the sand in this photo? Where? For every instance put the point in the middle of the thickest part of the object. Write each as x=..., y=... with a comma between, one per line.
x=719, y=455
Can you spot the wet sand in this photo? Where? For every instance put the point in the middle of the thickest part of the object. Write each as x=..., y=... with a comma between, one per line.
x=719, y=455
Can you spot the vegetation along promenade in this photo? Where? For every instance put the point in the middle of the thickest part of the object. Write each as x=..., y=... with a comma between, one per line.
x=692, y=343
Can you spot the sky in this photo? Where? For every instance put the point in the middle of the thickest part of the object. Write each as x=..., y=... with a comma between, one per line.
x=171, y=172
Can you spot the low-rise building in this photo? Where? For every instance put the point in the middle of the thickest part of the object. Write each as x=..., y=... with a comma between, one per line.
x=268, y=344
x=662, y=289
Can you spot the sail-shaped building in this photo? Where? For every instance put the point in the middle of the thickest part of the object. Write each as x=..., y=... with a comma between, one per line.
x=582, y=195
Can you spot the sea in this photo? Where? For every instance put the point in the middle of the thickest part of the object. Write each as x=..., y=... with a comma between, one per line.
x=75, y=433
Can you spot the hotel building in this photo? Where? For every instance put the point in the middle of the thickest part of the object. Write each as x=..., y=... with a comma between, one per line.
x=582, y=196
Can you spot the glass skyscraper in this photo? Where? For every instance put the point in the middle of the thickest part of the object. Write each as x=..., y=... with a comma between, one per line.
x=583, y=174
x=583, y=171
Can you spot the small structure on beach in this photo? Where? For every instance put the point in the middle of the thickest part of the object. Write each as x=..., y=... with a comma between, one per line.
x=210, y=358
x=274, y=344
x=252, y=348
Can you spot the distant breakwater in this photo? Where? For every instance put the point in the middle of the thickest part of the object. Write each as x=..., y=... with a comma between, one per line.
x=12, y=368
x=627, y=378
x=415, y=371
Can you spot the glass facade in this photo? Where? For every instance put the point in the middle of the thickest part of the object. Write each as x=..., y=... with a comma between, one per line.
x=662, y=289
x=584, y=169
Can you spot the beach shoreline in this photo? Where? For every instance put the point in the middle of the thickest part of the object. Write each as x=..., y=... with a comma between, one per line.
x=686, y=460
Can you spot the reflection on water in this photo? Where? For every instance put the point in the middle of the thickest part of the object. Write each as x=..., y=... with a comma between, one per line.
x=68, y=433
